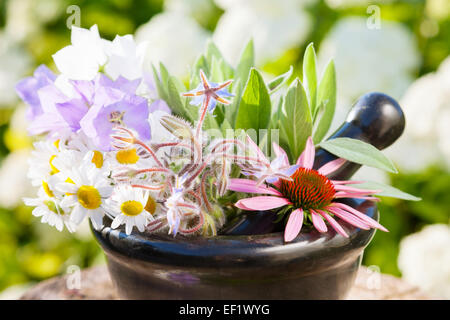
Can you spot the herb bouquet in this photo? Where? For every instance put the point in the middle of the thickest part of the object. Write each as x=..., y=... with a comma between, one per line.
x=128, y=146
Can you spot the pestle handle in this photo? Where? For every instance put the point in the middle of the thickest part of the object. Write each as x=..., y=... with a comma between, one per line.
x=375, y=118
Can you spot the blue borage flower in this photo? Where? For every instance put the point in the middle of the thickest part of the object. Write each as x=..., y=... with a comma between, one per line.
x=208, y=93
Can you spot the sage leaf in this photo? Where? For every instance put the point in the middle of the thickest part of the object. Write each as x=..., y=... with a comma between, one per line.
x=255, y=107
x=359, y=152
x=387, y=191
x=246, y=62
x=326, y=101
x=310, y=75
x=296, y=120
x=279, y=81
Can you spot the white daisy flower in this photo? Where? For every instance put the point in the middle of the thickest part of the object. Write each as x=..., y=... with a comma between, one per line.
x=82, y=143
x=86, y=192
x=132, y=207
x=128, y=159
x=41, y=166
x=48, y=207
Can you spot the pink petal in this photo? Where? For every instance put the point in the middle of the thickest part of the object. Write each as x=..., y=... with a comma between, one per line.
x=360, y=215
x=240, y=205
x=254, y=146
x=293, y=225
x=262, y=203
x=318, y=222
x=280, y=152
x=331, y=166
x=348, y=217
x=357, y=190
x=340, y=195
x=337, y=182
x=336, y=226
x=306, y=159
x=250, y=186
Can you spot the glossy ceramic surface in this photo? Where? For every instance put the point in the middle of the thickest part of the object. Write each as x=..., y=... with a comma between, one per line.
x=313, y=266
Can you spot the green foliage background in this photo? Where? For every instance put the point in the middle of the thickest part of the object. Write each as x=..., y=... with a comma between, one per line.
x=30, y=251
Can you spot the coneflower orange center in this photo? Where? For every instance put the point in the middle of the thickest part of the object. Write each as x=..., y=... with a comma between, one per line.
x=308, y=190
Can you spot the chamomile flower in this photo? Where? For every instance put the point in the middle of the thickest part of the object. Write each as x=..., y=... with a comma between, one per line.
x=47, y=206
x=41, y=165
x=86, y=192
x=131, y=157
x=80, y=142
x=132, y=207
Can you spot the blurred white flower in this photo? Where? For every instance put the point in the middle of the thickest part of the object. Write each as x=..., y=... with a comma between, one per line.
x=89, y=54
x=200, y=10
x=14, y=64
x=125, y=58
x=84, y=57
x=14, y=183
x=424, y=260
x=275, y=26
x=173, y=39
x=24, y=18
x=343, y=4
x=426, y=104
x=368, y=60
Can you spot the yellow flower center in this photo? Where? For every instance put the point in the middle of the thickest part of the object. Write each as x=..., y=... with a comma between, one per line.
x=131, y=208
x=97, y=159
x=56, y=144
x=52, y=167
x=89, y=197
x=128, y=156
x=47, y=189
x=68, y=180
x=150, y=206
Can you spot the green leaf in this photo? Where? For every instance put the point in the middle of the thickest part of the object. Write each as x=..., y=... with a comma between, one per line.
x=279, y=81
x=276, y=116
x=210, y=122
x=387, y=191
x=310, y=75
x=216, y=71
x=200, y=64
x=359, y=152
x=160, y=86
x=246, y=62
x=255, y=107
x=212, y=52
x=296, y=121
x=231, y=109
x=225, y=126
x=326, y=101
x=176, y=102
x=164, y=74
x=227, y=70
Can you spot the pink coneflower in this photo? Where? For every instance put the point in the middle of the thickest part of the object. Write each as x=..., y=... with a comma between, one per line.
x=309, y=194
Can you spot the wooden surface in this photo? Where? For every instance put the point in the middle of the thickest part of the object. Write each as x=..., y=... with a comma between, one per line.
x=96, y=284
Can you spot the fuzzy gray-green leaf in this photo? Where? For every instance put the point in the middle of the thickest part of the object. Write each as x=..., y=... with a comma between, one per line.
x=246, y=62
x=279, y=81
x=359, y=152
x=296, y=120
x=310, y=75
x=387, y=191
x=255, y=106
x=326, y=101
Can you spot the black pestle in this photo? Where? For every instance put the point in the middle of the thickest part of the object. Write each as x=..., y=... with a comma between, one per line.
x=375, y=118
